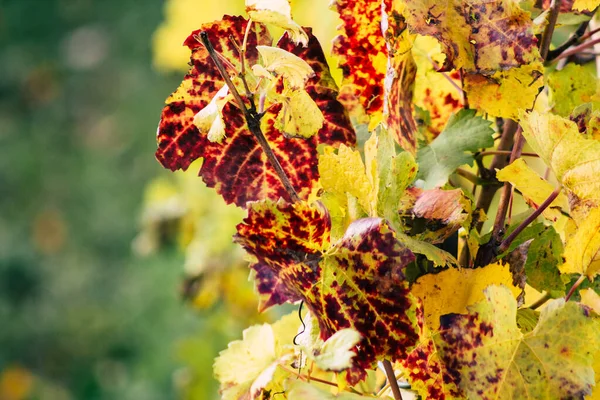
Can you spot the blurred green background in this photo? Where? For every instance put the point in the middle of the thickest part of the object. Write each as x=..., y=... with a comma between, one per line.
x=99, y=245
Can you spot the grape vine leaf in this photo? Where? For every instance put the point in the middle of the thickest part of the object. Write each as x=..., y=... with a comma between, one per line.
x=571, y=86
x=572, y=157
x=278, y=13
x=294, y=70
x=463, y=133
x=400, y=78
x=248, y=367
x=582, y=253
x=357, y=282
x=390, y=173
x=476, y=36
x=210, y=118
x=490, y=358
x=237, y=168
x=334, y=354
x=363, y=54
x=344, y=173
x=439, y=93
x=585, y=5
x=591, y=299
x=453, y=289
x=507, y=92
x=534, y=189
x=544, y=255
x=434, y=215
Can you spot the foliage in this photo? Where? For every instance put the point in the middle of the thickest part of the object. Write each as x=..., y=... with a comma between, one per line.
x=363, y=232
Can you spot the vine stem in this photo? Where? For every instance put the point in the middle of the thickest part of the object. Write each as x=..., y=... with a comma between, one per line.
x=577, y=49
x=488, y=251
x=391, y=376
x=575, y=286
x=547, y=36
x=252, y=119
x=506, y=242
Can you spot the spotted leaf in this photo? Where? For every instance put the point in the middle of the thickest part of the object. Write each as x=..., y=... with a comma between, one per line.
x=489, y=357
x=237, y=167
x=478, y=36
x=358, y=282
x=363, y=54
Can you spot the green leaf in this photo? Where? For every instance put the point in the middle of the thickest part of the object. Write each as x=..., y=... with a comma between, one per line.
x=390, y=173
x=570, y=87
x=464, y=133
x=527, y=319
x=543, y=258
x=490, y=358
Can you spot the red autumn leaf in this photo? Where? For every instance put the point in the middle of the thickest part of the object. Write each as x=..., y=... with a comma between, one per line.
x=363, y=53
x=237, y=167
x=357, y=282
x=400, y=83
x=179, y=141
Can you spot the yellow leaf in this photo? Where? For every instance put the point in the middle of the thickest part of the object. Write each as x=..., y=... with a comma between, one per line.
x=438, y=93
x=248, y=366
x=278, y=13
x=506, y=93
x=300, y=115
x=591, y=299
x=583, y=5
x=582, y=248
x=534, y=189
x=452, y=290
x=344, y=172
x=574, y=159
x=294, y=70
x=209, y=120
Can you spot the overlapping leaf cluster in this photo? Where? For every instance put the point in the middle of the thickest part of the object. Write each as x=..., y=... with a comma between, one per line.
x=365, y=236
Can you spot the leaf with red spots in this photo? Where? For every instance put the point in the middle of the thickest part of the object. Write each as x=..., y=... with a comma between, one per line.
x=438, y=93
x=488, y=357
x=179, y=140
x=237, y=167
x=377, y=63
x=363, y=54
x=400, y=81
x=356, y=283
x=478, y=36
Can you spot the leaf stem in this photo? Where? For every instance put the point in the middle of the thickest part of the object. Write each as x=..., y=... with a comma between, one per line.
x=252, y=119
x=541, y=301
x=391, y=376
x=506, y=242
x=575, y=286
x=504, y=152
x=549, y=31
x=469, y=176
x=577, y=49
x=578, y=36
